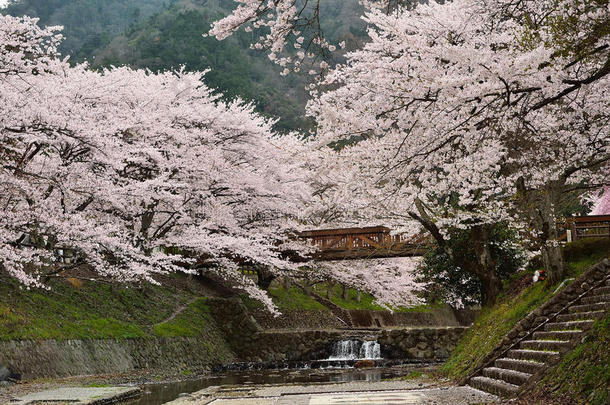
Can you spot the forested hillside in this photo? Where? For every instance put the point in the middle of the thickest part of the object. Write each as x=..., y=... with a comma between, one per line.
x=167, y=34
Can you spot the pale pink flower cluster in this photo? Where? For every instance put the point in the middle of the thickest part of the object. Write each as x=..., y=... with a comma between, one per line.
x=391, y=281
x=285, y=23
x=602, y=205
x=122, y=164
x=451, y=106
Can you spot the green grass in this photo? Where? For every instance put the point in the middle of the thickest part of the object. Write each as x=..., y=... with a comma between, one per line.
x=193, y=321
x=490, y=327
x=294, y=299
x=367, y=301
x=582, y=254
x=95, y=310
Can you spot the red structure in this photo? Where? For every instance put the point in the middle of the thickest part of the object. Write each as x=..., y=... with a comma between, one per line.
x=365, y=243
x=592, y=226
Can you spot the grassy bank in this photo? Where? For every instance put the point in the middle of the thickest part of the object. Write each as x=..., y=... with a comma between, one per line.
x=491, y=326
x=519, y=298
x=74, y=309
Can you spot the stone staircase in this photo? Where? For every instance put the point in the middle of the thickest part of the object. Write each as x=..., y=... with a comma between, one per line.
x=543, y=345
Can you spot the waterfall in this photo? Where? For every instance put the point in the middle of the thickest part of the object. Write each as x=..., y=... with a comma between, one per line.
x=355, y=350
x=370, y=350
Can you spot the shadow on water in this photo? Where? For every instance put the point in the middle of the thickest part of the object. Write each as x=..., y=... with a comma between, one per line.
x=156, y=394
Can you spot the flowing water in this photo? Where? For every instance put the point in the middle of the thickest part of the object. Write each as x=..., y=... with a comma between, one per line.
x=337, y=368
x=355, y=350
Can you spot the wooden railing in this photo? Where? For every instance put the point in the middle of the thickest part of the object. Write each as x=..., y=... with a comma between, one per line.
x=592, y=226
x=377, y=242
x=364, y=243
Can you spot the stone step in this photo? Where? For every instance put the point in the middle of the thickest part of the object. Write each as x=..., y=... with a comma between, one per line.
x=557, y=335
x=602, y=290
x=589, y=307
x=536, y=355
x=580, y=316
x=572, y=325
x=508, y=375
x=594, y=299
x=524, y=366
x=493, y=386
x=554, y=345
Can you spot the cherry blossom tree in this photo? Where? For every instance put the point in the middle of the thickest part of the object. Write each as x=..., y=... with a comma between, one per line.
x=494, y=108
x=391, y=281
x=138, y=173
x=291, y=31
x=602, y=205
x=477, y=112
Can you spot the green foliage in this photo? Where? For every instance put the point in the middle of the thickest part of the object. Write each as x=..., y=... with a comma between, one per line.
x=88, y=24
x=448, y=282
x=591, y=248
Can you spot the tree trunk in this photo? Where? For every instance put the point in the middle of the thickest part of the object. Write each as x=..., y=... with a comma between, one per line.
x=359, y=297
x=553, y=262
x=540, y=206
x=287, y=283
x=552, y=256
x=491, y=285
x=329, y=290
x=264, y=278
x=306, y=288
x=345, y=291
x=485, y=267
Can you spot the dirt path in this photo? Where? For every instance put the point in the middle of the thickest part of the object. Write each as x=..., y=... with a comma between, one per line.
x=178, y=311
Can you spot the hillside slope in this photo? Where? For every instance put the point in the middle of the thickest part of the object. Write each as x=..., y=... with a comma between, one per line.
x=88, y=24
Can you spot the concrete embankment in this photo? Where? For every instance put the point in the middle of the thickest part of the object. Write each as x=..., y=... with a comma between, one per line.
x=235, y=335
x=63, y=358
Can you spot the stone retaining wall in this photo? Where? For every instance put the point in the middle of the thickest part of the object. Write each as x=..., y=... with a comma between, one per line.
x=291, y=346
x=420, y=343
x=63, y=358
x=416, y=344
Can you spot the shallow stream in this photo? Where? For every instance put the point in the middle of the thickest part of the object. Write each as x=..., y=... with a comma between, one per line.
x=156, y=394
